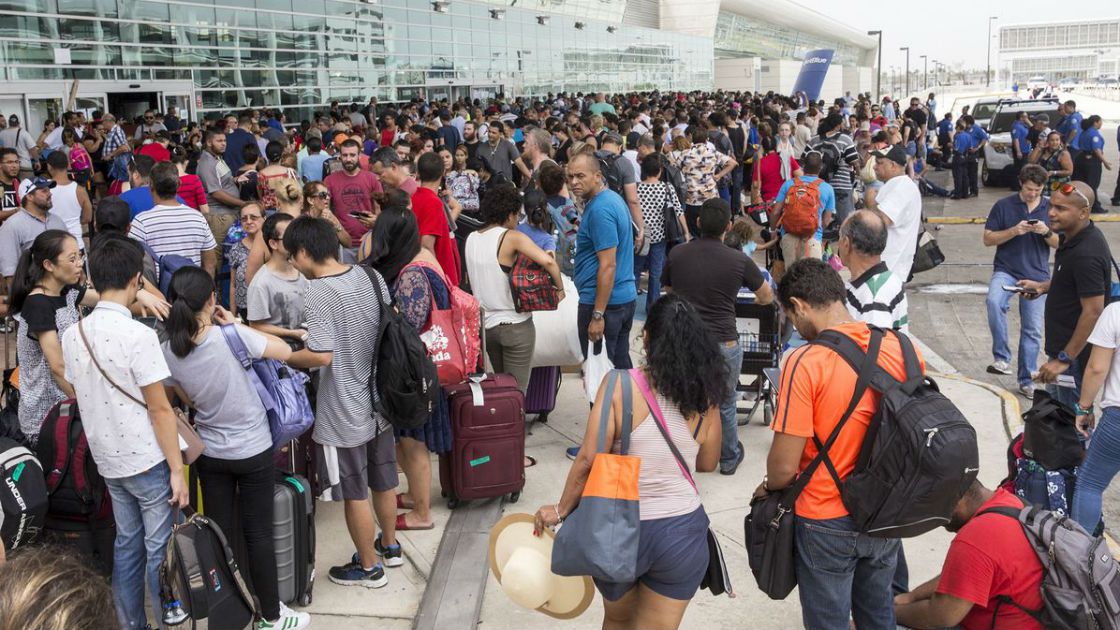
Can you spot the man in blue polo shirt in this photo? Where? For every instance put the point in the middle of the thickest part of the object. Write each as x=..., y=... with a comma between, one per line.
x=1019, y=228
x=963, y=145
x=1020, y=145
x=1070, y=127
x=974, y=154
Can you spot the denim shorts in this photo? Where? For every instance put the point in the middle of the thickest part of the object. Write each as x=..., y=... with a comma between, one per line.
x=672, y=557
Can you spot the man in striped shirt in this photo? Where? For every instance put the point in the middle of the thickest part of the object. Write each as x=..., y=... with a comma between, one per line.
x=840, y=160
x=172, y=228
x=875, y=295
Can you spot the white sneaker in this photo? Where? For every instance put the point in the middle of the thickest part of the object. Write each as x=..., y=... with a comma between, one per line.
x=1000, y=367
x=1027, y=391
x=289, y=620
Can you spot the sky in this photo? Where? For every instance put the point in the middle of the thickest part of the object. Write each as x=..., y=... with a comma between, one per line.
x=954, y=31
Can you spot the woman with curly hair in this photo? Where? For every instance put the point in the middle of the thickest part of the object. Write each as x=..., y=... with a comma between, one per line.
x=686, y=378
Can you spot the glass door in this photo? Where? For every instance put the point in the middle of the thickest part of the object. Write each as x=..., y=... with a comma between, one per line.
x=181, y=102
x=39, y=111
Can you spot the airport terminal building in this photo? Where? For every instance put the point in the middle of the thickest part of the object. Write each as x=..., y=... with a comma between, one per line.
x=209, y=56
x=1079, y=50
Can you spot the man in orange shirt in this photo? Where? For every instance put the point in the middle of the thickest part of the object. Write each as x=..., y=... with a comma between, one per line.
x=841, y=573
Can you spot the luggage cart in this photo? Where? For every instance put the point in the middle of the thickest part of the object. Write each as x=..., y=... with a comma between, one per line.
x=759, y=329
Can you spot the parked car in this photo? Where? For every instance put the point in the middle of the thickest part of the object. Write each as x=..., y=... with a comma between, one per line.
x=998, y=160
x=1068, y=84
x=1037, y=82
x=983, y=110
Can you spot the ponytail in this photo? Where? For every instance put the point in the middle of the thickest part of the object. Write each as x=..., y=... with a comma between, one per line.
x=190, y=290
x=536, y=211
x=29, y=271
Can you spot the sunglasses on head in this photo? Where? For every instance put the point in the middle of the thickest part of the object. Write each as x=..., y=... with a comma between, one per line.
x=1070, y=189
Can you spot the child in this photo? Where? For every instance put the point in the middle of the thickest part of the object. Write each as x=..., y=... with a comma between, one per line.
x=741, y=236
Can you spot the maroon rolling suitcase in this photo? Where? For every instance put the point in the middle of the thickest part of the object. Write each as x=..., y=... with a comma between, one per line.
x=488, y=444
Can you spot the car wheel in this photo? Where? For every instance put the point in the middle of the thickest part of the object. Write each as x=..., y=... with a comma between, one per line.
x=989, y=178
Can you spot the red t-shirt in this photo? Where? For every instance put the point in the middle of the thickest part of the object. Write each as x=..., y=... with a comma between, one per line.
x=352, y=194
x=991, y=557
x=191, y=190
x=432, y=221
x=770, y=170
x=156, y=151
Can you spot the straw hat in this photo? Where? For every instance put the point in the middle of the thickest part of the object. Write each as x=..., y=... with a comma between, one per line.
x=522, y=564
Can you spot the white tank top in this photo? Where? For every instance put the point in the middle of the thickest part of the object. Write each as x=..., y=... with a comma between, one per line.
x=488, y=282
x=64, y=205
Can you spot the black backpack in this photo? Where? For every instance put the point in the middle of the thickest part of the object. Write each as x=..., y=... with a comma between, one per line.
x=830, y=158
x=612, y=173
x=404, y=381
x=919, y=454
x=672, y=175
x=23, y=495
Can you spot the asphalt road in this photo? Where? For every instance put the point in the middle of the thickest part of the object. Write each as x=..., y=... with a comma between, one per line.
x=947, y=309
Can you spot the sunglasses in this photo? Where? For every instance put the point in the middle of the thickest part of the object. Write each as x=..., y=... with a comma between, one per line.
x=322, y=195
x=1070, y=189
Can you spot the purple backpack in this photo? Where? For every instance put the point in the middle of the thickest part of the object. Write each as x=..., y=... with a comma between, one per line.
x=282, y=389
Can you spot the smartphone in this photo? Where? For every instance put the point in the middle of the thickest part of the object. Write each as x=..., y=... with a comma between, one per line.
x=1015, y=289
x=360, y=215
x=150, y=322
x=1032, y=222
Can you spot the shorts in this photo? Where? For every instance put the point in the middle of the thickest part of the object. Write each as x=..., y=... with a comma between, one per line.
x=351, y=472
x=672, y=558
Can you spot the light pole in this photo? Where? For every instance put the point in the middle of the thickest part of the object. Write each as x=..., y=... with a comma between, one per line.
x=988, y=71
x=878, y=64
x=925, y=73
x=907, y=81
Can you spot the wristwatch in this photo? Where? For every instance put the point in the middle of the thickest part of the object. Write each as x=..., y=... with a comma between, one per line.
x=596, y=315
x=1048, y=233
x=1064, y=357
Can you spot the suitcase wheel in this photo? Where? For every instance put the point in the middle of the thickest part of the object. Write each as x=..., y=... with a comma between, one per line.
x=305, y=600
x=543, y=418
x=452, y=503
x=767, y=413
x=514, y=496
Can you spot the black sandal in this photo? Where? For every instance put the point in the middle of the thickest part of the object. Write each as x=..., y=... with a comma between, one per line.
x=532, y=461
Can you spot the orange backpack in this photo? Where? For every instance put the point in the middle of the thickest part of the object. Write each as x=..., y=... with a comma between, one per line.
x=801, y=210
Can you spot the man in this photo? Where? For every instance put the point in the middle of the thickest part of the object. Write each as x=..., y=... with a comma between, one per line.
x=357, y=119
x=840, y=167
x=501, y=154
x=171, y=227
x=139, y=195
x=53, y=141
x=157, y=149
x=113, y=217
x=274, y=132
x=16, y=137
x=1020, y=145
x=702, y=167
x=470, y=138
x=920, y=120
x=458, y=121
x=538, y=150
x=352, y=190
x=69, y=201
x=448, y=133
x=795, y=247
x=173, y=124
x=237, y=140
x=436, y=234
x=972, y=158
x=1018, y=227
x=802, y=134
x=35, y=217
x=612, y=153
x=356, y=442
x=842, y=574
x=1040, y=128
x=1070, y=127
x=688, y=272
x=964, y=145
x=874, y=295
x=978, y=577
x=135, y=447
x=945, y=139
x=393, y=170
x=311, y=166
x=601, y=106
x=146, y=130
x=900, y=202
x=1077, y=290
x=717, y=135
x=222, y=195
x=9, y=182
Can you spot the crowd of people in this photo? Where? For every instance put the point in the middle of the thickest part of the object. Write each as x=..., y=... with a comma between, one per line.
x=276, y=228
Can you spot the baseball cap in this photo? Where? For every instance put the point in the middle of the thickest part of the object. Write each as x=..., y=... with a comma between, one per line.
x=894, y=153
x=29, y=186
x=1043, y=118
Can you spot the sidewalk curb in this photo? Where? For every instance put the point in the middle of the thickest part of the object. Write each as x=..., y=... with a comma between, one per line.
x=1012, y=411
x=1102, y=218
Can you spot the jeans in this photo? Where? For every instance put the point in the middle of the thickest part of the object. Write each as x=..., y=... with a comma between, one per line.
x=692, y=220
x=616, y=332
x=510, y=348
x=1030, y=328
x=972, y=164
x=729, y=449
x=1100, y=466
x=843, y=574
x=960, y=176
x=654, y=261
x=248, y=483
x=143, y=516
x=737, y=190
x=1068, y=396
x=845, y=205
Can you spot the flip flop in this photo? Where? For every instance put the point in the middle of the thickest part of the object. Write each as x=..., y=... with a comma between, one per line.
x=532, y=461
x=403, y=526
x=400, y=503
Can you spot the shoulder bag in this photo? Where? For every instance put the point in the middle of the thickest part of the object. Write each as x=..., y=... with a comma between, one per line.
x=189, y=442
x=769, y=526
x=529, y=284
x=673, y=234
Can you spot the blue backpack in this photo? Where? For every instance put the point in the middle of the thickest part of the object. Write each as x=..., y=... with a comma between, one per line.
x=282, y=389
x=166, y=266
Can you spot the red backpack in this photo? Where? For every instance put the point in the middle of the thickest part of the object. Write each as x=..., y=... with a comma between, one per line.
x=801, y=210
x=452, y=335
x=77, y=490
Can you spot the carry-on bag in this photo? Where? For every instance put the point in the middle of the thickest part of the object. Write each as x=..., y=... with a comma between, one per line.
x=540, y=396
x=293, y=532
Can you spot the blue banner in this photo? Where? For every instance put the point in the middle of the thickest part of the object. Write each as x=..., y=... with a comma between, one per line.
x=813, y=71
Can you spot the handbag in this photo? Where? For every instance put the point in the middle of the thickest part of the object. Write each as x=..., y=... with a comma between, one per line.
x=189, y=442
x=530, y=285
x=1050, y=434
x=927, y=255
x=600, y=537
x=716, y=579
x=769, y=526
x=673, y=234
x=446, y=347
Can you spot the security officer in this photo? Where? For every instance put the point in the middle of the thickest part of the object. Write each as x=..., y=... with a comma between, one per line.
x=981, y=137
x=1070, y=128
x=963, y=159
x=1020, y=146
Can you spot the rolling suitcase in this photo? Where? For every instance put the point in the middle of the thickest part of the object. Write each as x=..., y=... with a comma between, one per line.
x=540, y=396
x=488, y=444
x=293, y=533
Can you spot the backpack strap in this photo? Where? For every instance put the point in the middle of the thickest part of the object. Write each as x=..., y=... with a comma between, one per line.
x=662, y=426
x=613, y=377
x=241, y=353
x=881, y=380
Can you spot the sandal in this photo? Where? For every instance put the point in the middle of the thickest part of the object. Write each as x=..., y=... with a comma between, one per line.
x=403, y=526
x=401, y=504
x=532, y=461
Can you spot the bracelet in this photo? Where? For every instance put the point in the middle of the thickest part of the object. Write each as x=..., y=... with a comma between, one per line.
x=557, y=508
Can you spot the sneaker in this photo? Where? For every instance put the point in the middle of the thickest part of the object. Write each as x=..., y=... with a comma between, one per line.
x=391, y=555
x=573, y=453
x=1027, y=390
x=1000, y=367
x=289, y=620
x=730, y=470
x=352, y=574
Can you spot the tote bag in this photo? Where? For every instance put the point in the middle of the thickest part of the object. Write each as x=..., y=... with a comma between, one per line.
x=600, y=537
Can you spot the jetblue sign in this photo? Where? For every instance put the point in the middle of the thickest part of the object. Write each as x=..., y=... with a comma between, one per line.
x=813, y=71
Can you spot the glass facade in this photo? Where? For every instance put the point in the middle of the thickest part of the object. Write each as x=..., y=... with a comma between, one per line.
x=1079, y=35
x=302, y=54
x=742, y=36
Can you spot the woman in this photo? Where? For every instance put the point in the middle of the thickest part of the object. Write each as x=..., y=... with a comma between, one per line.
x=416, y=282
x=1103, y=459
x=274, y=177
x=491, y=252
x=656, y=198
x=289, y=200
x=538, y=222
x=777, y=166
x=81, y=166
x=1090, y=158
x=317, y=203
x=251, y=219
x=190, y=186
x=1053, y=157
x=462, y=181
x=236, y=466
x=687, y=377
